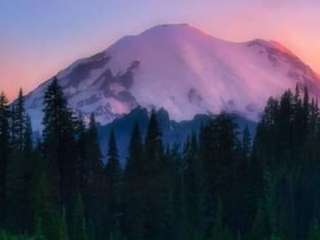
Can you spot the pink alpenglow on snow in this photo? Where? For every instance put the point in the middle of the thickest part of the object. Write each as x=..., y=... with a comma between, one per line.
x=181, y=69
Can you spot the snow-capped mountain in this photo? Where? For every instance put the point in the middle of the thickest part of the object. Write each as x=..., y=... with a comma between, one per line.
x=181, y=69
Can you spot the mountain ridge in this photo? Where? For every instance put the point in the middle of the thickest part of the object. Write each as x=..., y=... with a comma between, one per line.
x=174, y=134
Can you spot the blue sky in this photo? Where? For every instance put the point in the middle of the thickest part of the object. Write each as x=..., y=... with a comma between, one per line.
x=39, y=37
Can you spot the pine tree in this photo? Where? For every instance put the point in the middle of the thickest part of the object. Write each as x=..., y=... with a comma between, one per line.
x=260, y=228
x=39, y=235
x=246, y=143
x=153, y=146
x=59, y=146
x=193, y=178
x=92, y=177
x=113, y=177
x=77, y=227
x=81, y=148
x=59, y=225
x=4, y=153
x=47, y=221
x=45, y=216
x=19, y=171
x=177, y=216
x=220, y=154
x=134, y=187
x=156, y=185
x=134, y=164
x=219, y=230
x=96, y=176
x=28, y=141
x=314, y=233
x=61, y=155
x=93, y=165
x=19, y=121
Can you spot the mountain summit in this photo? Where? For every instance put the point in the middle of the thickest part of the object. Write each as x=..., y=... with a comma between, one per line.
x=181, y=69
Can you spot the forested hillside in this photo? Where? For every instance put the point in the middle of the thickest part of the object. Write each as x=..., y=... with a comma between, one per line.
x=222, y=184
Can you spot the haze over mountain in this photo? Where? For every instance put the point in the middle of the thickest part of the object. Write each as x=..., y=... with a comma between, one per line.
x=181, y=69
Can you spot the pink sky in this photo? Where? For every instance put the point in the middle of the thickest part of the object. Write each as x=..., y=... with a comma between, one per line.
x=39, y=39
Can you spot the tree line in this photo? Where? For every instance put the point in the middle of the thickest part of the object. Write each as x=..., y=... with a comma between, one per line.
x=221, y=184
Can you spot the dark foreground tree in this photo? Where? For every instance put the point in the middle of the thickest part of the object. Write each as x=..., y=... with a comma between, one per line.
x=4, y=154
x=113, y=178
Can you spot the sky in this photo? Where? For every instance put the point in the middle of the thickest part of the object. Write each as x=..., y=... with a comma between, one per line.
x=38, y=38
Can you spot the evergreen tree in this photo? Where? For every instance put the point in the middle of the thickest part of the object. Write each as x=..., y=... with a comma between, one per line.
x=18, y=170
x=45, y=218
x=77, y=227
x=246, y=143
x=93, y=165
x=81, y=148
x=153, y=146
x=113, y=178
x=59, y=225
x=178, y=226
x=219, y=230
x=39, y=235
x=61, y=156
x=193, y=179
x=243, y=210
x=134, y=187
x=19, y=121
x=260, y=228
x=220, y=154
x=4, y=154
x=59, y=146
x=156, y=185
x=92, y=178
x=314, y=233
x=28, y=138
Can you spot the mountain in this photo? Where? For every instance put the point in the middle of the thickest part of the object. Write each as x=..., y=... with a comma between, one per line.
x=173, y=133
x=181, y=69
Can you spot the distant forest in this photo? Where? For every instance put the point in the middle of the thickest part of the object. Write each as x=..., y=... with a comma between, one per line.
x=222, y=184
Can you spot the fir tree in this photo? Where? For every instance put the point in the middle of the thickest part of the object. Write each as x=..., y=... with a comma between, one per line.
x=193, y=179
x=113, y=177
x=314, y=233
x=39, y=235
x=77, y=227
x=246, y=143
x=219, y=230
x=4, y=153
x=61, y=155
x=19, y=170
x=156, y=185
x=93, y=165
x=59, y=145
x=92, y=177
x=220, y=154
x=19, y=121
x=134, y=187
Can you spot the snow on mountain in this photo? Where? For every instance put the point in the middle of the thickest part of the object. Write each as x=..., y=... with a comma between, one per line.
x=181, y=69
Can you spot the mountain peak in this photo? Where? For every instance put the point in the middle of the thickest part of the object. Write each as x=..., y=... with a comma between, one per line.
x=172, y=25
x=169, y=27
x=181, y=69
x=166, y=32
x=181, y=30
